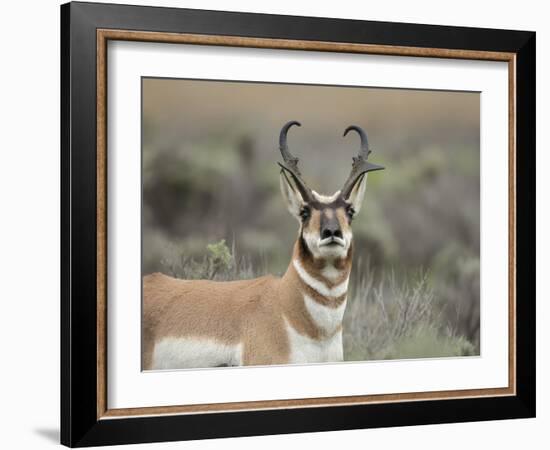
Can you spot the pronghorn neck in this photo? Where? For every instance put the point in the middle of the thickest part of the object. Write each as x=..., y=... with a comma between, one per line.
x=315, y=294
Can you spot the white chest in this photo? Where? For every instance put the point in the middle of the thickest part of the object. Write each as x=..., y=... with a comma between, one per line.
x=304, y=349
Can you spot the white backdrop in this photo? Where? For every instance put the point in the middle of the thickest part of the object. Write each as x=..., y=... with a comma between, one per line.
x=29, y=241
x=129, y=387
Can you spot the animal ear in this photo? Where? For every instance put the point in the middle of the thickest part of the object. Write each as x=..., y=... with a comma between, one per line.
x=358, y=193
x=293, y=199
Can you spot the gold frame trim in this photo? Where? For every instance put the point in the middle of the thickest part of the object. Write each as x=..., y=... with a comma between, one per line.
x=104, y=35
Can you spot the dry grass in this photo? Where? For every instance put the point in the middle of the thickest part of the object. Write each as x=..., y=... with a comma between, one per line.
x=387, y=319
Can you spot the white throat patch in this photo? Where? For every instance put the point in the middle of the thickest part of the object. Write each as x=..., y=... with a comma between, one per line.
x=331, y=273
x=319, y=286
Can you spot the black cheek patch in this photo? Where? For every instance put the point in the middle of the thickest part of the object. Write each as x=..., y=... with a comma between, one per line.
x=304, y=249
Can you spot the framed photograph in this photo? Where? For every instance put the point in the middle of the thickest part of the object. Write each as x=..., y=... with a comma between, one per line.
x=276, y=224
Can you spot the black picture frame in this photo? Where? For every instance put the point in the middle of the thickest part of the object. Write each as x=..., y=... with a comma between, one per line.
x=80, y=425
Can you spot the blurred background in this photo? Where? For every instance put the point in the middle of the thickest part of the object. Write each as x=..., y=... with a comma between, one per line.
x=212, y=206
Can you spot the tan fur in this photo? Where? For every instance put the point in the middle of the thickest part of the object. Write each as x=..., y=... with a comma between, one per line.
x=342, y=218
x=252, y=313
x=314, y=222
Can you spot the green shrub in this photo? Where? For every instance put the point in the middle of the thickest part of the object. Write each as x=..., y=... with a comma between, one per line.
x=427, y=342
x=219, y=257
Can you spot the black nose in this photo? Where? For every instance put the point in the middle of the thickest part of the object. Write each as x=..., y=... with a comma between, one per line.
x=331, y=231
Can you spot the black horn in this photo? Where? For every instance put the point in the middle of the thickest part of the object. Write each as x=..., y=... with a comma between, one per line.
x=291, y=162
x=364, y=152
x=360, y=165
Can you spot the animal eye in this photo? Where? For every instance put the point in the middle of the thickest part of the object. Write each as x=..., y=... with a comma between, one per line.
x=350, y=211
x=305, y=213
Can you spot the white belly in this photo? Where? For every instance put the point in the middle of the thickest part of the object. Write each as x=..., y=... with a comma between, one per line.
x=184, y=353
x=304, y=349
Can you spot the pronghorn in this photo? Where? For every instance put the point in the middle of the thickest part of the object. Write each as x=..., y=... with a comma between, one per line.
x=268, y=320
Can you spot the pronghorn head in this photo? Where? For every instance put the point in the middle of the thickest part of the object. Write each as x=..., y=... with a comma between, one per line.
x=325, y=221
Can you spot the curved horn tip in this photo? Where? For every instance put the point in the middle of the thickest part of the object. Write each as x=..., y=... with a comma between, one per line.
x=291, y=123
x=351, y=127
x=359, y=130
x=284, y=131
x=362, y=136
